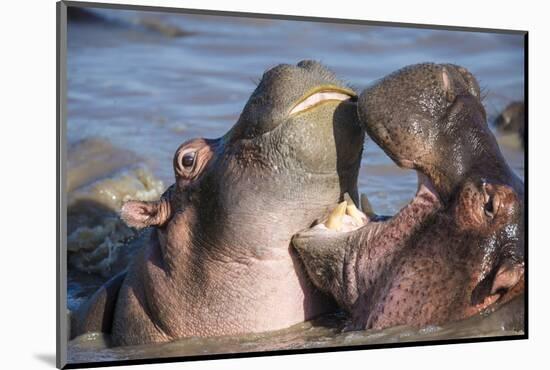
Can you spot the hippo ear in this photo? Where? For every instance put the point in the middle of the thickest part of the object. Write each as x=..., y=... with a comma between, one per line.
x=140, y=214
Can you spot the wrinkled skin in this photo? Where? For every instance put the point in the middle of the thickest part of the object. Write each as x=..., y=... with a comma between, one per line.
x=457, y=248
x=220, y=260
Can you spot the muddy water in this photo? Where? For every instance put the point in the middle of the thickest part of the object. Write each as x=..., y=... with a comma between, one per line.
x=324, y=332
x=139, y=85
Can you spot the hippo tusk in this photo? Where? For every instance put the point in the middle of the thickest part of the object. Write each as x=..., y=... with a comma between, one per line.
x=366, y=207
x=352, y=211
x=335, y=219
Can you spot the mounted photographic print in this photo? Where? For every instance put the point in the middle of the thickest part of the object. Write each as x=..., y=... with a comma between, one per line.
x=236, y=184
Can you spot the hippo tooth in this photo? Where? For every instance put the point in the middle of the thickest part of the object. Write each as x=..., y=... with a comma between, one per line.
x=351, y=210
x=335, y=219
x=348, y=199
x=354, y=212
x=366, y=207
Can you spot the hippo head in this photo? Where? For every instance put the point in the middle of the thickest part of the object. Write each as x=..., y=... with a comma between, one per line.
x=237, y=200
x=458, y=246
x=430, y=118
x=294, y=151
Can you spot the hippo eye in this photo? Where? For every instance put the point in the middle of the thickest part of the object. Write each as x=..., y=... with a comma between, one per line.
x=491, y=204
x=489, y=209
x=188, y=159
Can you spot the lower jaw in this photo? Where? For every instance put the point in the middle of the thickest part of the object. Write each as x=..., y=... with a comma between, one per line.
x=488, y=302
x=346, y=223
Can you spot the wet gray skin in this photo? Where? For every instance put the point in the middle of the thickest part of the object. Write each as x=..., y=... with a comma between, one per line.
x=457, y=248
x=220, y=261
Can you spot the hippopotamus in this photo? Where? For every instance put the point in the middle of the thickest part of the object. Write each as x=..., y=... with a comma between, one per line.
x=512, y=120
x=457, y=248
x=219, y=260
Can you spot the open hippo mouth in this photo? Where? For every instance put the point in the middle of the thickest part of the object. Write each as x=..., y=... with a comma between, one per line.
x=346, y=216
x=457, y=247
x=495, y=284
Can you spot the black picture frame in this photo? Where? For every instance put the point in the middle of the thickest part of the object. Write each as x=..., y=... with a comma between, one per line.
x=61, y=216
